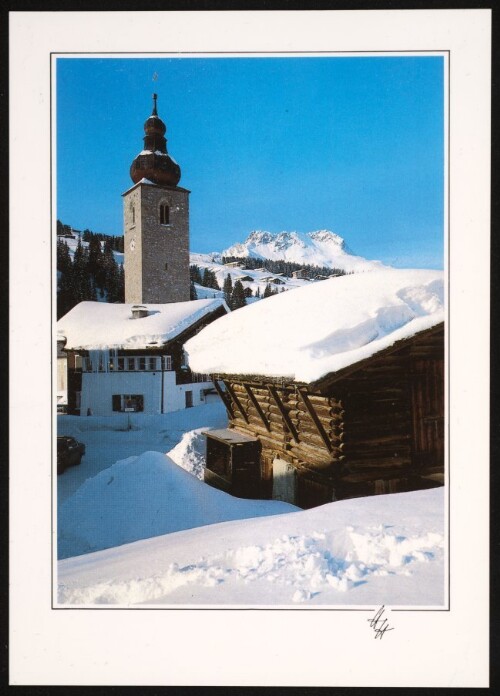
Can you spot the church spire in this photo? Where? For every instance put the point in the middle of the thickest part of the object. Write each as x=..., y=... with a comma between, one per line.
x=154, y=163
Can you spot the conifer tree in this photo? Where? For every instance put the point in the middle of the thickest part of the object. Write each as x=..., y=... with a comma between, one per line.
x=94, y=261
x=192, y=292
x=210, y=279
x=238, y=298
x=195, y=275
x=109, y=273
x=228, y=289
x=64, y=263
x=268, y=291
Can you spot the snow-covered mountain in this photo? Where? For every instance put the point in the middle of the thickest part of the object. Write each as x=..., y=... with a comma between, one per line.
x=320, y=248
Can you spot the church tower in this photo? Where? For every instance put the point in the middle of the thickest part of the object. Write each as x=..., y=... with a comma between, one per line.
x=156, y=223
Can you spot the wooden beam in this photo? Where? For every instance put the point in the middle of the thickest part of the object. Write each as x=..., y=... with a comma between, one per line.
x=258, y=408
x=283, y=411
x=232, y=393
x=224, y=398
x=315, y=419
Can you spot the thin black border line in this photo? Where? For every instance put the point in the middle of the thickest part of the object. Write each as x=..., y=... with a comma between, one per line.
x=54, y=54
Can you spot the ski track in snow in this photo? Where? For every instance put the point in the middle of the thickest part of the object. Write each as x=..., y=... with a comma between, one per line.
x=304, y=564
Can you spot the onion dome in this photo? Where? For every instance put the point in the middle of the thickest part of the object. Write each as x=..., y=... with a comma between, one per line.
x=154, y=163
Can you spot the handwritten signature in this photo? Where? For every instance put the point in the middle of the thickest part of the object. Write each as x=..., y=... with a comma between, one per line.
x=380, y=625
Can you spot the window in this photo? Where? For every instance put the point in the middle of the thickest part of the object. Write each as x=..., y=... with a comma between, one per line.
x=168, y=362
x=142, y=363
x=132, y=213
x=128, y=402
x=121, y=364
x=164, y=214
x=166, y=266
x=130, y=364
x=153, y=364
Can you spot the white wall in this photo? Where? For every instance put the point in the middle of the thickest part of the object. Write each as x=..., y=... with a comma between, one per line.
x=175, y=395
x=62, y=371
x=99, y=387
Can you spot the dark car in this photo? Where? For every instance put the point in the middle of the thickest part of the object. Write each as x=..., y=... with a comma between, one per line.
x=69, y=452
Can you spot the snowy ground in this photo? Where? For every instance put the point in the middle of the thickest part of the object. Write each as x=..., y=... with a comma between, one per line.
x=378, y=550
x=199, y=546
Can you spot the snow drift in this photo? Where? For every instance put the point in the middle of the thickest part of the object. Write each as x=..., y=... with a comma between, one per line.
x=323, y=327
x=145, y=496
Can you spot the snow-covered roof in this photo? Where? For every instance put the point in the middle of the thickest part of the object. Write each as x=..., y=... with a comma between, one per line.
x=100, y=325
x=322, y=327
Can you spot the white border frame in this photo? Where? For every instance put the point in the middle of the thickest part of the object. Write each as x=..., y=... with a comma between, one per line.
x=94, y=647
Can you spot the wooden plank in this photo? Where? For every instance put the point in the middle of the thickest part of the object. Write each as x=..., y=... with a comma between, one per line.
x=224, y=398
x=236, y=400
x=283, y=411
x=315, y=419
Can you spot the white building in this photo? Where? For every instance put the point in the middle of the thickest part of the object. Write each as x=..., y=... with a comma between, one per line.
x=131, y=357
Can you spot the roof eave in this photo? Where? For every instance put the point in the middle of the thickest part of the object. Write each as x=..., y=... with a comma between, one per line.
x=323, y=383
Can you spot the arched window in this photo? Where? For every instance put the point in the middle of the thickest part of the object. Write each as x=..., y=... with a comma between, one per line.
x=164, y=214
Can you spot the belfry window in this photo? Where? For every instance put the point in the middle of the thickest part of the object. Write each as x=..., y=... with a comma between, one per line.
x=164, y=214
x=132, y=213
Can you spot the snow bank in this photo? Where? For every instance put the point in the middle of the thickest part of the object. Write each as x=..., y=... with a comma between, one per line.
x=145, y=496
x=386, y=549
x=109, y=439
x=322, y=327
x=189, y=454
x=98, y=325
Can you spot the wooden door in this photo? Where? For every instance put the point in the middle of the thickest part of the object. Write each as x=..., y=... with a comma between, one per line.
x=284, y=481
x=427, y=395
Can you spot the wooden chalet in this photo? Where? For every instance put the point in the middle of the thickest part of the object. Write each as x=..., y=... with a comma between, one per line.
x=374, y=427
x=273, y=279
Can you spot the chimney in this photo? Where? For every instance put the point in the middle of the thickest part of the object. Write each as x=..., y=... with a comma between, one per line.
x=139, y=311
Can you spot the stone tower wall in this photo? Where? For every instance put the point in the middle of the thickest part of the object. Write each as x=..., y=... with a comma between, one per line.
x=157, y=268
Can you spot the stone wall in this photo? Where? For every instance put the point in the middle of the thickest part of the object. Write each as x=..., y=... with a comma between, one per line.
x=156, y=255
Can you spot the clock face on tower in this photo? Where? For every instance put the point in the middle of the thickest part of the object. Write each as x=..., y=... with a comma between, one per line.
x=132, y=245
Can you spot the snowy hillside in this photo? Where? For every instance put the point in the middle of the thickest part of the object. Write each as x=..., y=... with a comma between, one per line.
x=323, y=249
x=72, y=243
x=320, y=248
x=254, y=279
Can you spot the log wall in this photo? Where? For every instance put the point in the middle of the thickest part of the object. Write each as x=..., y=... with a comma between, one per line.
x=377, y=430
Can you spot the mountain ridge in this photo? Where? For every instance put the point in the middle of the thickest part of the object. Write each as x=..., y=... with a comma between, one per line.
x=319, y=248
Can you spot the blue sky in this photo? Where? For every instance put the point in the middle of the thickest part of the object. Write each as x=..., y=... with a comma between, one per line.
x=351, y=144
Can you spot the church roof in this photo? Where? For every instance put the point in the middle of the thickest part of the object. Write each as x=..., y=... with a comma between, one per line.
x=153, y=162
